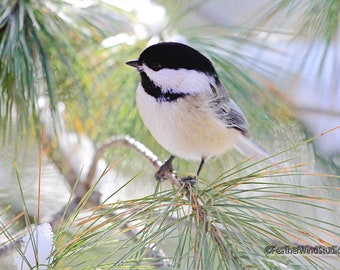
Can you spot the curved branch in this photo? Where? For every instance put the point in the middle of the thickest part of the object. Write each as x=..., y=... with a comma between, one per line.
x=133, y=144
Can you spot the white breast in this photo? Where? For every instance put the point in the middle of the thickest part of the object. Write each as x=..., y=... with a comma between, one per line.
x=187, y=127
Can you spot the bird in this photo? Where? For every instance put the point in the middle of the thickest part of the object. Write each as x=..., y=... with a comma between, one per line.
x=187, y=110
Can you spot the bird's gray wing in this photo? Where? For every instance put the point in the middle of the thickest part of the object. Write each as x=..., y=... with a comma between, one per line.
x=229, y=112
x=237, y=119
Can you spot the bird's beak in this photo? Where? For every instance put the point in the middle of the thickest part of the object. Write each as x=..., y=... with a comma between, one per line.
x=133, y=63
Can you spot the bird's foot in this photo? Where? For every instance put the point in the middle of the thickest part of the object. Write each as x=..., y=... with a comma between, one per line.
x=165, y=169
x=189, y=180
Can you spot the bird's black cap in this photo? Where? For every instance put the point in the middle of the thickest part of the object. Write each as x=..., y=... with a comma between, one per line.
x=174, y=55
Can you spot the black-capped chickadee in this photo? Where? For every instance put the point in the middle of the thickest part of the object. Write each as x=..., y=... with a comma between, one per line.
x=187, y=110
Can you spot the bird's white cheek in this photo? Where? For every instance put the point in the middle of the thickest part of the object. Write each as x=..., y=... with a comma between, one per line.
x=181, y=80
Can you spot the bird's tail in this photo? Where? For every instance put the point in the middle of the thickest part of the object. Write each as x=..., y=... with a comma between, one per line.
x=250, y=149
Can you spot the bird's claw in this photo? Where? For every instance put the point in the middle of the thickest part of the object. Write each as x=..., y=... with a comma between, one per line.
x=189, y=180
x=164, y=170
x=167, y=168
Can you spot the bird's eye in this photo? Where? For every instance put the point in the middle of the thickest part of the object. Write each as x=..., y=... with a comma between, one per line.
x=156, y=66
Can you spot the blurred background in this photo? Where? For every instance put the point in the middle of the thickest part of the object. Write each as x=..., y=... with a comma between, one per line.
x=65, y=88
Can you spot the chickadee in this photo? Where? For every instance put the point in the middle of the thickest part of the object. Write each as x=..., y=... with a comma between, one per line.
x=187, y=110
